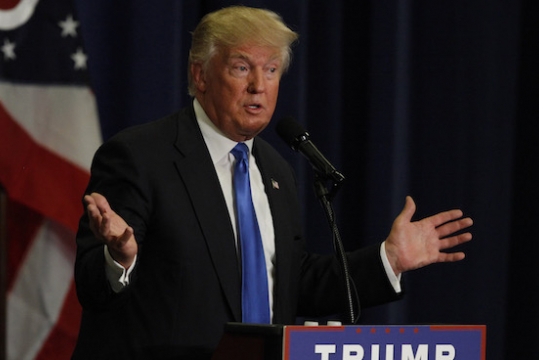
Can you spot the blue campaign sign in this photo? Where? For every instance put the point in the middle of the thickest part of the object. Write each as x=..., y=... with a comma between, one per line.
x=463, y=342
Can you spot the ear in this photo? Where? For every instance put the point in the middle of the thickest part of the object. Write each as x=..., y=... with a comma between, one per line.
x=199, y=77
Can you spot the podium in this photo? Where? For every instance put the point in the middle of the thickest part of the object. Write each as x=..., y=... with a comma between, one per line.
x=407, y=342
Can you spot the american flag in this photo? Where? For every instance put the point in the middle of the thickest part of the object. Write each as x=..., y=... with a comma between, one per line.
x=49, y=130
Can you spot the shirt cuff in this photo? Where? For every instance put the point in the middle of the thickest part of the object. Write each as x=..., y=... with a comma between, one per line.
x=393, y=279
x=117, y=275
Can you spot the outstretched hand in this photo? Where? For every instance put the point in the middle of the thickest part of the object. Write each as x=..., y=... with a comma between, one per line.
x=112, y=229
x=412, y=245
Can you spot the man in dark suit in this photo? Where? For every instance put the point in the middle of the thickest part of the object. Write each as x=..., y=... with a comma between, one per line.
x=158, y=268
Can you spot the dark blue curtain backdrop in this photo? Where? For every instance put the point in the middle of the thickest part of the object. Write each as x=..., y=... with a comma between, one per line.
x=436, y=99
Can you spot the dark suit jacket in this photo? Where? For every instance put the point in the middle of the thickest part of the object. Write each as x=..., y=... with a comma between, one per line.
x=186, y=284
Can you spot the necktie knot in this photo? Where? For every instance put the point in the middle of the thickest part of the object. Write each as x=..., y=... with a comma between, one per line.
x=241, y=152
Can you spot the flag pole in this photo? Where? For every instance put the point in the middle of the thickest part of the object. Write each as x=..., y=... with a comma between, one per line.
x=3, y=272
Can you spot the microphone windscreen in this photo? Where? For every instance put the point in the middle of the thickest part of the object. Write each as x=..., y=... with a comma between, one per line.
x=289, y=130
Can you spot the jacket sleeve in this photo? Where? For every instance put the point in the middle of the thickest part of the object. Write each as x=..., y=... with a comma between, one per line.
x=322, y=286
x=115, y=175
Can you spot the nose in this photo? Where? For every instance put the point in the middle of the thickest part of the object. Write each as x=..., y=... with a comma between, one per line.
x=256, y=82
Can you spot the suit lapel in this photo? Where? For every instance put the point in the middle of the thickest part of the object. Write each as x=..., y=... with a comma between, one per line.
x=272, y=176
x=198, y=174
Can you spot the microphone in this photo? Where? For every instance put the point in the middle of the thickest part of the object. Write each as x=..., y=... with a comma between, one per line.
x=299, y=140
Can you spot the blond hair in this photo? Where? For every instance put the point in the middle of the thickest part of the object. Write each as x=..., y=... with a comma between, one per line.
x=235, y=26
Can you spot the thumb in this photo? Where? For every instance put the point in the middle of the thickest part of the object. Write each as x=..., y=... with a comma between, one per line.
x=408, y=211
x=124, y=238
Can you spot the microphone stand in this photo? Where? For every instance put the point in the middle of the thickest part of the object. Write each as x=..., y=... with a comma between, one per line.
x=325, y=196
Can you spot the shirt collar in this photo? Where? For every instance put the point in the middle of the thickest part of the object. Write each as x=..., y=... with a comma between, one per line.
x=217, y=143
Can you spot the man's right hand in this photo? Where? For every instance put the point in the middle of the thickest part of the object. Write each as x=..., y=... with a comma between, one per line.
x=112, y=229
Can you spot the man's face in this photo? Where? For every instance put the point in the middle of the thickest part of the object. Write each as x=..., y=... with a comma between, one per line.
x=239, y=89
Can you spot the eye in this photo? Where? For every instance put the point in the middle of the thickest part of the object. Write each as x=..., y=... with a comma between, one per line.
x=272, y=72
x=239, y=69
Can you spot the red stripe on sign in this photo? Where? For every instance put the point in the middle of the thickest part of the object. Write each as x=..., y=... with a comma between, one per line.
x=62, y=339
x=38, y=178
x=8, y=4
x=22, y=226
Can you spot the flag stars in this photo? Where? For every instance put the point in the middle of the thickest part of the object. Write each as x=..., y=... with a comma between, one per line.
x=9, y=50
x=80, y=59
x=69, y=26
x=69, y=29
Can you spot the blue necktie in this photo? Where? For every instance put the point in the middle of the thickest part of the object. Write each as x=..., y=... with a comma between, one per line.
x=255, y=297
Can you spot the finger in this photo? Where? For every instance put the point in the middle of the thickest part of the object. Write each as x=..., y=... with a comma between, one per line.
x=454, y=226
x=96, y=202
x=90, y=204
x=101, y=202
x=454, y=241
x=444, y=217
x=112, y=227
x=93, y=213
x=94, y=220
x=109, y=228
x=89, y=200
x=95, y=226
x=451, y=257
x=104, y=226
